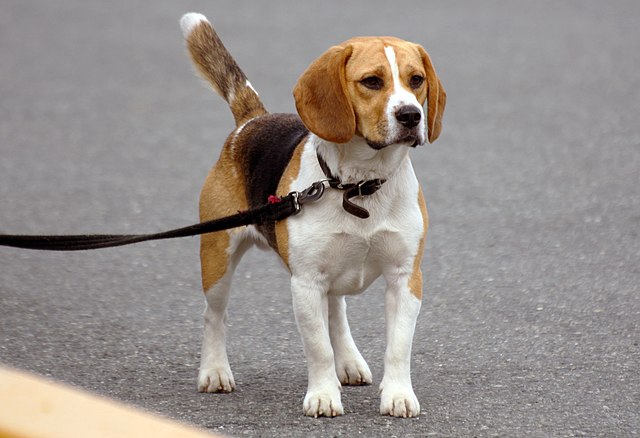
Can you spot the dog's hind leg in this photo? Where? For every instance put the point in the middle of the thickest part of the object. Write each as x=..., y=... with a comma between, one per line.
x=219, y=255
x=351, y=367
x=219, y=260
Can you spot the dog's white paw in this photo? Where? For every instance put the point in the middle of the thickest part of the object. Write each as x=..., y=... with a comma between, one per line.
x=399, y=402
x=323, y=403
x=216, y=380
x=353, y=372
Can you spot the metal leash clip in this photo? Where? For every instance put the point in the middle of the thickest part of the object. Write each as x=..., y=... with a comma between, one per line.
x=310, y=194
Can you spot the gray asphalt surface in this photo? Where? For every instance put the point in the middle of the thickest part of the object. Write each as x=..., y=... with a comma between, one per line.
x=530, y=324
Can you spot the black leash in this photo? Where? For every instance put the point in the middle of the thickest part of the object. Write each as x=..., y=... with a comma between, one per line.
x=277, y=209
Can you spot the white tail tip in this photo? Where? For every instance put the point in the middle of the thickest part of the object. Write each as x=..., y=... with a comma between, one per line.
x=189, y=21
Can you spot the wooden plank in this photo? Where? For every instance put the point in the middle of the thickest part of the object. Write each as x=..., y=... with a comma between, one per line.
x=32, y=407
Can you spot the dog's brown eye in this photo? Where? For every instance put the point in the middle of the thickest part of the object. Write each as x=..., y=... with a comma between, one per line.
x=416, y=81
x=373, y=82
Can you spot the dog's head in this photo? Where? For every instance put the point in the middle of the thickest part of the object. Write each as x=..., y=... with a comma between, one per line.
x=373, y=87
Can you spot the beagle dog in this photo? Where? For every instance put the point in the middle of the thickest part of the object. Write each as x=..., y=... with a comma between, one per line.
x=360, y=112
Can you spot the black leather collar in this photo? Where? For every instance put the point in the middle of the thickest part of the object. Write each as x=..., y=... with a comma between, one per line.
x=362, y=188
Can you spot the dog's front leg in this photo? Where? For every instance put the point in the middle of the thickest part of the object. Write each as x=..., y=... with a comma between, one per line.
x=310, y=305
x=350, y=365
x=401, y=311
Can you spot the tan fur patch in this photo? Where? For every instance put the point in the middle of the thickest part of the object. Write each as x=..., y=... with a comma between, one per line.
x=246, y=105
x=289, y=175
x=321, y=98
x=415, y=281
x=222, y=195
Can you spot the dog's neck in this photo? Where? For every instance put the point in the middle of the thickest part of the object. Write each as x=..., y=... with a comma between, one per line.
x=356, y=161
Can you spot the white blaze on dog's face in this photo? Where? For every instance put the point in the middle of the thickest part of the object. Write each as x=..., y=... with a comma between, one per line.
x=386, y=83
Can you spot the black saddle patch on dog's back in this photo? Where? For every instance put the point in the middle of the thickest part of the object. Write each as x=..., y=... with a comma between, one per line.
x=267, y=144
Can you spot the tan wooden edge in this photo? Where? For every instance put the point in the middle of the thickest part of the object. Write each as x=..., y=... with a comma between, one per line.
x=33, y=407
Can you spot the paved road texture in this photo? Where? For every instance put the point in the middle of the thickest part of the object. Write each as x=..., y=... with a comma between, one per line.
x=530, y=323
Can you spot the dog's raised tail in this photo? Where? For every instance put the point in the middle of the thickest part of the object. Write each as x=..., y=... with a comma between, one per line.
x=216, y=65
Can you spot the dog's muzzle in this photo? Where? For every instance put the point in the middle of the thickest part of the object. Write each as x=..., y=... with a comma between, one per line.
x=408, y=116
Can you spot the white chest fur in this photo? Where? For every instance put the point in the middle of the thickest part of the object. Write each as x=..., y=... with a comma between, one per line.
x=344, y=253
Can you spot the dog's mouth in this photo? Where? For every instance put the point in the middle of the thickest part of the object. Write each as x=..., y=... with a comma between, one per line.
x=410, y=140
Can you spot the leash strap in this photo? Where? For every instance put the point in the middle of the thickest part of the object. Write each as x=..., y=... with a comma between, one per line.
x=276, y=210
x=362, y=188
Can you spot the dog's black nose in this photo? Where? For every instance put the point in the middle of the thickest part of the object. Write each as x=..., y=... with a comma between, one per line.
x=408, y=116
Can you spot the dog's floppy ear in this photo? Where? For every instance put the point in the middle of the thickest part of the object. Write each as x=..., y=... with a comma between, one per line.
x=436, y=98
x=321, y=97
